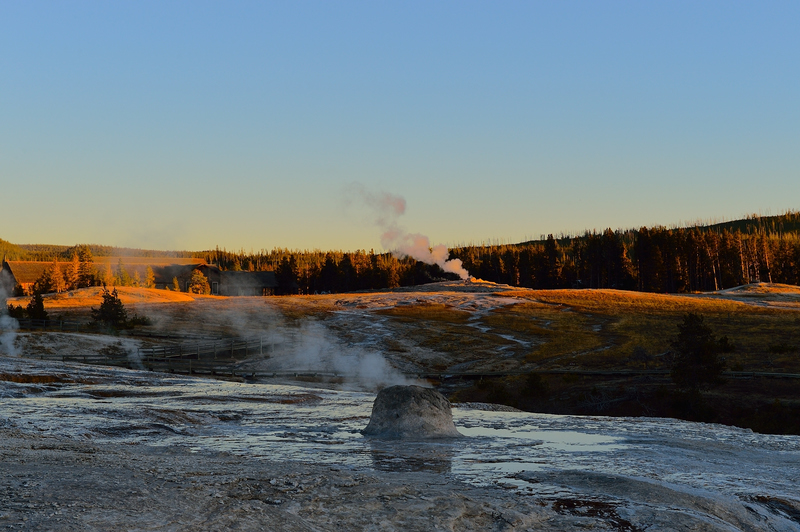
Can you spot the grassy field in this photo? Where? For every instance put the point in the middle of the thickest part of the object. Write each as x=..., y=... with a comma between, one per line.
x=88, y=297
x=532, y=338
x=601, y=330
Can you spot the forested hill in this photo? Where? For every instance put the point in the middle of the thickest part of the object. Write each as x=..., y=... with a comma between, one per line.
x=772, y=225
x=656, y=259
x=12, y=251
x=50, y=252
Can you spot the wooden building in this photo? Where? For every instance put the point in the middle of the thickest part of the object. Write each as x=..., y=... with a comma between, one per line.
x=18, y=276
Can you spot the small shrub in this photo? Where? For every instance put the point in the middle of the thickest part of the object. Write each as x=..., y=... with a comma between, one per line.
x=35, y=309
x=16, y=312
x=112, y=313
x=139, y=320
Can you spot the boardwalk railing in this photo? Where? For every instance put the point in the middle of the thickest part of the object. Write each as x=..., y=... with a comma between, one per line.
x=52, y=325
x=26, y=324
x=217, y=357
x=231, y=348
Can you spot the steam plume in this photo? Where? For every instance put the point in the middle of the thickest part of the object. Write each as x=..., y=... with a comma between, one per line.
x=388, y=208
x=317, y=350
x=8, y=327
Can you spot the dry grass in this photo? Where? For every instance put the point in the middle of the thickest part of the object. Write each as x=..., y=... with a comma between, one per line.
x=428, y=312
x=614, y=322
x=613, y=301
x=88, y=297
x=765, y=288
x=593, y=329
x=556, y=331
x=597, y=329
x=298, y=308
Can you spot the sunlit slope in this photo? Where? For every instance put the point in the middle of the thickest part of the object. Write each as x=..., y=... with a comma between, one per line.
x=87, y=297
x=522, y=330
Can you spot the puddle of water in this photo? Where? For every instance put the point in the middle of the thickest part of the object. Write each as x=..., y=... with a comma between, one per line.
x=562, y=440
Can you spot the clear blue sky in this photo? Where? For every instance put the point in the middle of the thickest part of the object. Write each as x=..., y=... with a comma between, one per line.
x=185, y=125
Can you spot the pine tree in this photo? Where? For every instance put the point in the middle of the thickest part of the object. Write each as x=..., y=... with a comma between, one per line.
x=72, y=273
x=149, y=278
x=88, y=274
x=35, y=308
x=112, y=312
x=697, y=364
x=329, y=275
x=286, y=276
x=108, y=276
x=50, y=280
x=198, y=284
x=121, y=276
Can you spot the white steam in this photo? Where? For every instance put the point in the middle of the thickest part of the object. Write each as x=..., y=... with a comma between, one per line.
x=388, y=208
x=8, y=327
x=315, y=350
x=131, y=349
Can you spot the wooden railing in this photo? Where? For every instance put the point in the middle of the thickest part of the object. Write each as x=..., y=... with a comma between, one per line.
x=218, y=357
x=52, y=325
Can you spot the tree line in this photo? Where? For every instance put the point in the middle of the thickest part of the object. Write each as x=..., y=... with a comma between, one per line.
x=656, y=259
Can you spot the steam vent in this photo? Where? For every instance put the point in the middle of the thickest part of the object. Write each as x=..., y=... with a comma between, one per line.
x=411, y=413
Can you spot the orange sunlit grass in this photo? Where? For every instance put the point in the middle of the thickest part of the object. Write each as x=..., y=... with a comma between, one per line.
x=612, y=301
x=87, y=297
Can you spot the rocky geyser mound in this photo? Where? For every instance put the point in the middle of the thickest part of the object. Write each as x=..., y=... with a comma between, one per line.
x=411, y=412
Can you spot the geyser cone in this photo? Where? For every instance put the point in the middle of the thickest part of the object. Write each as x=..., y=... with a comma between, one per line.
x=411, y=412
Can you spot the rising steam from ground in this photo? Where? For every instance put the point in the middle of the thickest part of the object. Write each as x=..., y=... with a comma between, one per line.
x=131, y=350
x=314, y=349
x=8, y=327
x=388, y=208
x=308, y=347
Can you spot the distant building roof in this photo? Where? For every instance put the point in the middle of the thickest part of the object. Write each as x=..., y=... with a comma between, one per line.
x=151, y=261
x=27, y=272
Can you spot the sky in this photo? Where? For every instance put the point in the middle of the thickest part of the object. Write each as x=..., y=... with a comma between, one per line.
x=247, y=125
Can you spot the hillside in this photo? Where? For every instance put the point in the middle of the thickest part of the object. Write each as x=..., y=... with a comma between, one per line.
x=87, y=297
x=11, y=251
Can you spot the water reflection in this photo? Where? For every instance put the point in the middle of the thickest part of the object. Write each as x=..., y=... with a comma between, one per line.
x=405, y=456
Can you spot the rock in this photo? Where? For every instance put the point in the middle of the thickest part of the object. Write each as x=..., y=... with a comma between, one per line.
x=411, y=412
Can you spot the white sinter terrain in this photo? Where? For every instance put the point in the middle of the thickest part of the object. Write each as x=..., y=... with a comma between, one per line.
x=91, y=448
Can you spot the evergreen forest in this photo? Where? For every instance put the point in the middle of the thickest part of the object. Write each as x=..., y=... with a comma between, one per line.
x=655, y=259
